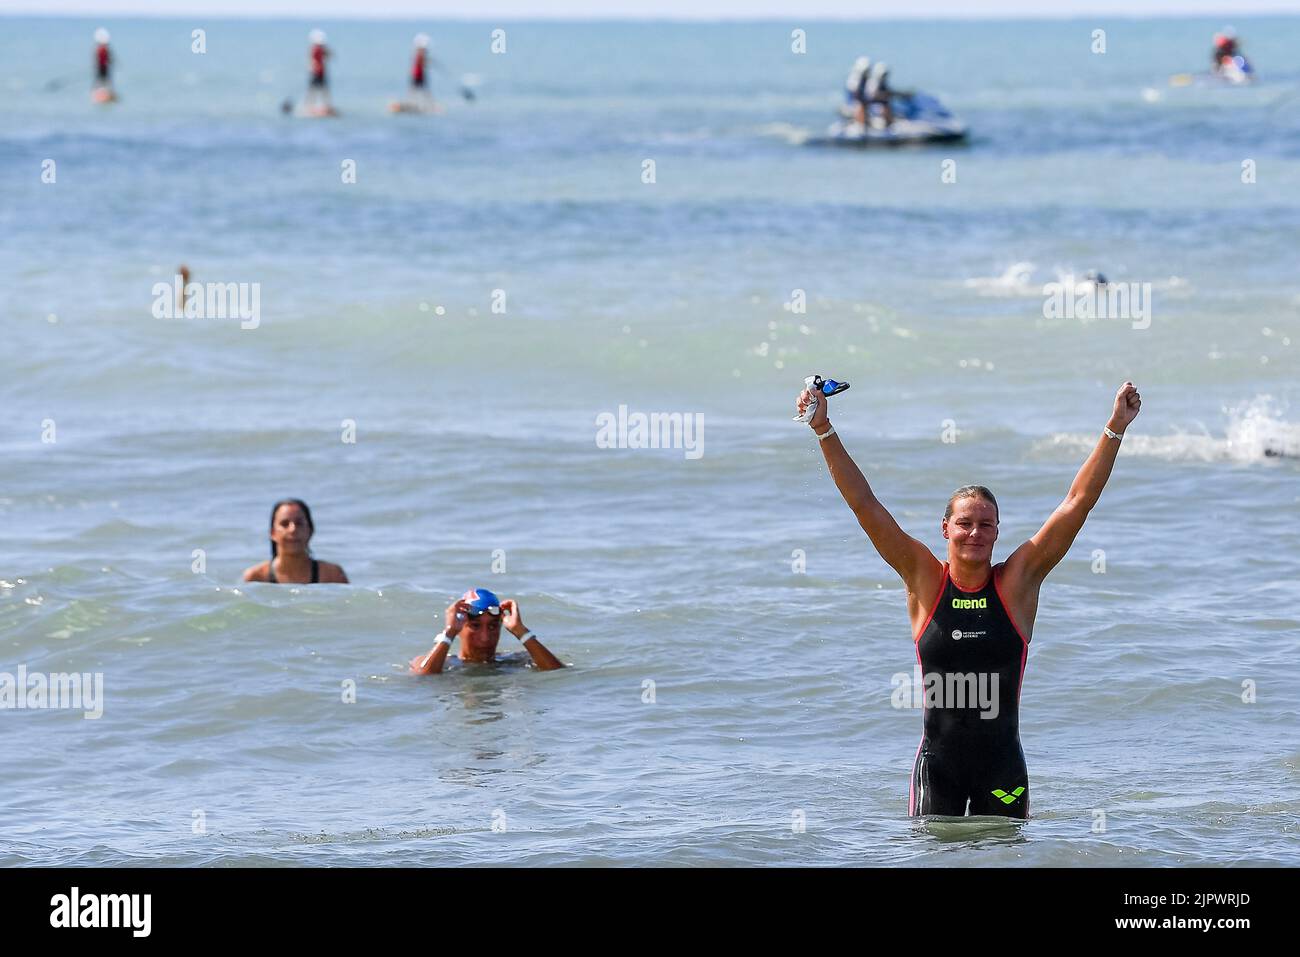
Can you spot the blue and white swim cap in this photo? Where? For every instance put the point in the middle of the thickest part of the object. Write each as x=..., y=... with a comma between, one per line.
x=481, y=600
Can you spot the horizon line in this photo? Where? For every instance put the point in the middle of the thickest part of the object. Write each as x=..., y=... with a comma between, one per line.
x=532, y=18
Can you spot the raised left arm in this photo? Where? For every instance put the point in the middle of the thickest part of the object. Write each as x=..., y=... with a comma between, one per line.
x=541, y=655
x=1038, y=556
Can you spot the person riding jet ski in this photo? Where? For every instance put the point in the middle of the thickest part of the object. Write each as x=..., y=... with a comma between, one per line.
x=855, y=89
x=878, y=91
x=1225, y=48
x=1228, y=62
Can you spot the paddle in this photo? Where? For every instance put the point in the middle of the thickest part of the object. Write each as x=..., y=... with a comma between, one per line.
x=466, y=88
x=58, y=82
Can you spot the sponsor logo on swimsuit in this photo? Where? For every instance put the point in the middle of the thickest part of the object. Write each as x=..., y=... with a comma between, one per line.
x=970, y=602
x=1006, y=798
x=958, y=634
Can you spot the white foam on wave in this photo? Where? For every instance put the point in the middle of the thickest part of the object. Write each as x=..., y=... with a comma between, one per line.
x=1016, y=280
x=1256, y=431
x=670, y=137
x=1020, y=279
x=795, y=135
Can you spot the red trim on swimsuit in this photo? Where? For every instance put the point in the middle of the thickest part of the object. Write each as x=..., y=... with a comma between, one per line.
x=1024, y=654
x=969, y=591
x=937, y=598
x=912, y=808
x=1010, y=617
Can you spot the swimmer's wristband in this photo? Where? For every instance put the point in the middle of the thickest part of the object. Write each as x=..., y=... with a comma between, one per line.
x=1117, y=436
x=441, y=640
x=526, y=635
x=825, y=435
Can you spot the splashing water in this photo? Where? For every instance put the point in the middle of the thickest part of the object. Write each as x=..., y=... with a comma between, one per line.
x=1255, y=431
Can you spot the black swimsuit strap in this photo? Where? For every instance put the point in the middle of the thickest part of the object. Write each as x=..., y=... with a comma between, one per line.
x=315, y=572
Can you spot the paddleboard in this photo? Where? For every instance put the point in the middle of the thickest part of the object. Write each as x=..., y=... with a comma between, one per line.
x=405, y=106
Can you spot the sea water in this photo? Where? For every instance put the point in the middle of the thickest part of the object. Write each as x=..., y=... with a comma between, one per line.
x=625, y=216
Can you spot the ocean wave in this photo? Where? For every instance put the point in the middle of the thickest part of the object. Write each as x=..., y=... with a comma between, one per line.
x=1256, y=431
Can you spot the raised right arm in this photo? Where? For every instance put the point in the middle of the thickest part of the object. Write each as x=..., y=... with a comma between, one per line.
x=431, y=664
x=901, y=551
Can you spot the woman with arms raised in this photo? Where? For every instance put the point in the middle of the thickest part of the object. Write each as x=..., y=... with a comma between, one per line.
x=972, y=620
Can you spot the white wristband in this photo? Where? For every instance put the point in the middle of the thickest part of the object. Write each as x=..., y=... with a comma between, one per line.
x=1117, y=436
x=441, y=640
x=526, y=635
x=825, y=435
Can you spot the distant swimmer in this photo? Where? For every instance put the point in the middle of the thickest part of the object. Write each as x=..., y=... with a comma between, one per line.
x=972, y=621
x=476, y=620
x=183, y=292
x=291, y=561
x=102, y=88
x=317, y=101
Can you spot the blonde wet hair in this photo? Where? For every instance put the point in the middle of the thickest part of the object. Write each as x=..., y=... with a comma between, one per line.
x=971, y=491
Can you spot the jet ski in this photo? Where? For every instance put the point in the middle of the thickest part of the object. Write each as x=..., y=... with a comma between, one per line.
x=1233, y=71
x=1236, y=71
x=918, y=119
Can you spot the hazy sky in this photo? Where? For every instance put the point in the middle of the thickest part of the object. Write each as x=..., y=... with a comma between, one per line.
x=656, y=9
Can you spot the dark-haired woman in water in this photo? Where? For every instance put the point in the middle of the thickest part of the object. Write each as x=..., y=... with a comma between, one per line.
x=972, y=621
x=291, y=562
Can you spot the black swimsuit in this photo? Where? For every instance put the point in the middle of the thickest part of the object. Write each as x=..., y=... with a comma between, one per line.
x=315, y=572
x=972, y=659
